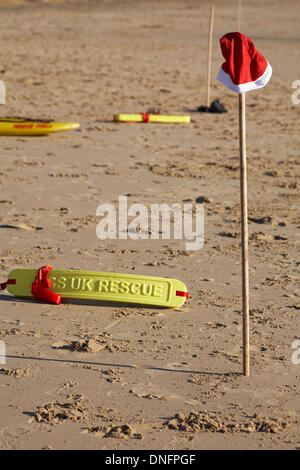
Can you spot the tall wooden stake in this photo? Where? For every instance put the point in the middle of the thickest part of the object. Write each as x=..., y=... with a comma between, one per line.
x=210, y=35
x=244, y=224
x=2, y=92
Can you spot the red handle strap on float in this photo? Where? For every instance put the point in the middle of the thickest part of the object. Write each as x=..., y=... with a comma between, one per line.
x=146, y=117
x=4, y=284
x=40, y=287
x=181, y=293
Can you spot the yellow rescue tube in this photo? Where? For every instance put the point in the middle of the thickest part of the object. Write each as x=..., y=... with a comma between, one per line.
x=24, y=126
x=158, y=118
x=104, y=286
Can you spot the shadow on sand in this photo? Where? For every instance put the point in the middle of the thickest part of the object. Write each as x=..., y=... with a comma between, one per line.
x=128, y=366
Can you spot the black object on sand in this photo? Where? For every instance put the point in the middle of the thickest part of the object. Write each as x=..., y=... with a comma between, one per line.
x=215, y=107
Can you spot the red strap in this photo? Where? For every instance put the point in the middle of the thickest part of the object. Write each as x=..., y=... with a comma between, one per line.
x=146, y=117
x=181, y=293
x=40, y=287
x=4, y=284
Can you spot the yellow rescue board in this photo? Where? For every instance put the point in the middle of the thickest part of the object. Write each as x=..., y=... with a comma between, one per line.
x=23, y=126
x=109, y=287
x=158, y=118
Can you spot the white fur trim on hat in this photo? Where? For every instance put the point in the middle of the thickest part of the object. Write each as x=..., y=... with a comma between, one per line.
x=244, y=87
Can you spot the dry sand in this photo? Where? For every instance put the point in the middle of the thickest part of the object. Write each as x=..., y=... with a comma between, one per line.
x=119, y=377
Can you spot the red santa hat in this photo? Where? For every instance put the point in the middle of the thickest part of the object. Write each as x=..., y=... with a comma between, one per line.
x=244, y=69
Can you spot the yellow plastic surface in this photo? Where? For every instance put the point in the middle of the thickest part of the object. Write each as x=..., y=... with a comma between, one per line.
x=20, y=126
x=110, y=287
x=159, y=118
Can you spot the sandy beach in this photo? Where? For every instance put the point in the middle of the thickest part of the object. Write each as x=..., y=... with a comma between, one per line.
x=93, y=376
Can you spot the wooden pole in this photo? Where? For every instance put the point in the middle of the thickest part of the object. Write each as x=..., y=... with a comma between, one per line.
x=2, y=92
x=244, y=227
x=210, y=35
